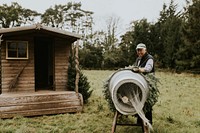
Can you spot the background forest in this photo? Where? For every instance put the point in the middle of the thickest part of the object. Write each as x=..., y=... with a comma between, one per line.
x=173, y=40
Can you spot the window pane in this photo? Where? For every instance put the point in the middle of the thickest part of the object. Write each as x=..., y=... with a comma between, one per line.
x=12, y=46
x=17, y=49
x=12, y=54
x=22, y=53
x=22, y=46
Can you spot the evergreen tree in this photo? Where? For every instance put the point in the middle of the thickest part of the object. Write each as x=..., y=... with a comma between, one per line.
x=169, y=26
x=83, y=84
x=141, y=33
x=189, y=53
x=91, y=56
x=126, y=52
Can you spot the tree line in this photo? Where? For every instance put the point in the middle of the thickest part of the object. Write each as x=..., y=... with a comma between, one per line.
x=173, y=40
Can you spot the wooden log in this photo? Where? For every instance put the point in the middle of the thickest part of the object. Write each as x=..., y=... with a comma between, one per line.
x=42, y=112
x=32, y=104
x=18, y=98
x=39, y=105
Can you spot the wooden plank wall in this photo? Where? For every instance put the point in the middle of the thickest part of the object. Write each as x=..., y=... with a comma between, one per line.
x=10, y=68
x=62, y=50
x=26, y=82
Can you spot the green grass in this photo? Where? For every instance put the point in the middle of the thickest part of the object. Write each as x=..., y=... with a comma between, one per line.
x=177, y=111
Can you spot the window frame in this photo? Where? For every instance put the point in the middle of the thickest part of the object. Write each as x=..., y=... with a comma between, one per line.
x=17, y=42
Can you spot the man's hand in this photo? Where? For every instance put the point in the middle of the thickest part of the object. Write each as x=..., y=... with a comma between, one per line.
x=138, y=69
x=135, y=69
x=141, y=70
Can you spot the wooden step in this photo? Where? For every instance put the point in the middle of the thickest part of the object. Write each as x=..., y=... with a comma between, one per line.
x=32, y=97
x=40, y=103
x=40, y=112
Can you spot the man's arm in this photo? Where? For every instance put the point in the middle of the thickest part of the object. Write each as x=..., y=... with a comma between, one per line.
x=148, y=67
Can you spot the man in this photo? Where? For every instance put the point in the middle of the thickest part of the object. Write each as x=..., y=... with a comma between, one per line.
x=145, y=64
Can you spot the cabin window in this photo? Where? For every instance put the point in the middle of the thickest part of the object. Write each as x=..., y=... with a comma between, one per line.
x=16, y=50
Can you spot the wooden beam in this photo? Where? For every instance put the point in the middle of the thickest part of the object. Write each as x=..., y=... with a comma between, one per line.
x=77, y=67
x=0, y=65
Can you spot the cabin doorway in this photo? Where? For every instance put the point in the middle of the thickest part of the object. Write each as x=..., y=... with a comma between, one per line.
x=44, y=63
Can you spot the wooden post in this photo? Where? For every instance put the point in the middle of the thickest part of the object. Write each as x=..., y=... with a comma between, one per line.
x=0, y=64
x=145, y=127
x=114, y=122
x=77, y=67
x=0, y=39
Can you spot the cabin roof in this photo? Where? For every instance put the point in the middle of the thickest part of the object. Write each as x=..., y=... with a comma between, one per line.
x=39, y=27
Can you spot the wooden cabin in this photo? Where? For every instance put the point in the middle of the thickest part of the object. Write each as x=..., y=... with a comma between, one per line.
x=34, y=67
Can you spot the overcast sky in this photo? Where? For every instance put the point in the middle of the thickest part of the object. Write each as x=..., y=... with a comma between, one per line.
x=126, y=10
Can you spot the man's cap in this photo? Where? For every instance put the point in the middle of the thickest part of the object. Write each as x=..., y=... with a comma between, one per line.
x=140, y=46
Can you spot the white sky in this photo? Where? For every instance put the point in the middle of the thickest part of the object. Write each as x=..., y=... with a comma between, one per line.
x=126, y=10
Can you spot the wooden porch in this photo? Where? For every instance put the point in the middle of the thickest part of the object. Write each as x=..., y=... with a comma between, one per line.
x=39, y=103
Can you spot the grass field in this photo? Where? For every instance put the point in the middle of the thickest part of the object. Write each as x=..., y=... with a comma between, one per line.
x=177, y=111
